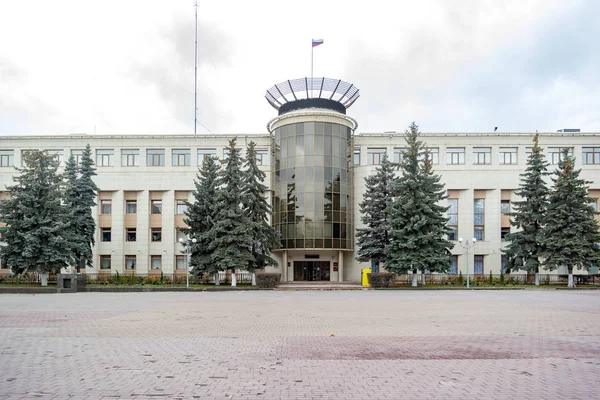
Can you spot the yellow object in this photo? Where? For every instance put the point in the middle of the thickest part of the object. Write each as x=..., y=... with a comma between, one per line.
x=365, y=279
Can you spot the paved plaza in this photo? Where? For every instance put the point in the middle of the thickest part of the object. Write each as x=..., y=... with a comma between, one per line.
x=302, y=345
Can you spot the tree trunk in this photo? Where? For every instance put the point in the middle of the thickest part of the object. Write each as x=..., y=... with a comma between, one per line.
x=537, y=278
x=253, y=279
x=423, y=279
x=44, y=278
x=571, y=281
x=217, y=281
x=233, y=280
x=414, y=278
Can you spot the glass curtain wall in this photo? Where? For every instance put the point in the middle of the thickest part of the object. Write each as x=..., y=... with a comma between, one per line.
x=313, y=186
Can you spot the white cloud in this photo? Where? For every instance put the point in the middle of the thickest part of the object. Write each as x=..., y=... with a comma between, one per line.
x=127, y=66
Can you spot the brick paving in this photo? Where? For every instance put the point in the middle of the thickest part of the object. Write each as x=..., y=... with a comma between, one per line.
x=301, y=345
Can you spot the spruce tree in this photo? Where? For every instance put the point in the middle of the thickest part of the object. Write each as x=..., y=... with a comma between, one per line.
x=418, y=225
x=524, y=247
x=37, y=224
x=571, y=233
x=231, y=239
x=80, y=197
x=199, y=218
x=373, y=239
x=258, y=210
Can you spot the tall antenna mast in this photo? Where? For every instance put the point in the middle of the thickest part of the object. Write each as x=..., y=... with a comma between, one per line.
x=196, y=71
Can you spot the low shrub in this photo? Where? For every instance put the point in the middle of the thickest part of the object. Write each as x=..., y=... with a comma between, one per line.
x=268, y=280
x=381, y=279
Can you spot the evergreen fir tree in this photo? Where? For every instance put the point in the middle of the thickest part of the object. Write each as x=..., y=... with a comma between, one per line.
x=524, y=247
x=418, y=225
x=571, y=235
x=258, y=210
x=372, y=240
x=231, y=238
x=199, y=218
x=37, y=224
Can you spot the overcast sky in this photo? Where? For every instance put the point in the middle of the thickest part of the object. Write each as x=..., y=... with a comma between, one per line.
x=465, y=65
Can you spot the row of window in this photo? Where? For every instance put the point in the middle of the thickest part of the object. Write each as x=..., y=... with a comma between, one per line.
x=480, y=156
x=131, y=207
x=478, y=218
x=131, y=261
x=131, y=235
x=478, y=268
x=131, y=157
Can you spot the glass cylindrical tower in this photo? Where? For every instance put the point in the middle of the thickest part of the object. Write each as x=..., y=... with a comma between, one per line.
x=312, y=181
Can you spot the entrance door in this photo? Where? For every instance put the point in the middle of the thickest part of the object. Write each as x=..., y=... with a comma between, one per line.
x=311, y=270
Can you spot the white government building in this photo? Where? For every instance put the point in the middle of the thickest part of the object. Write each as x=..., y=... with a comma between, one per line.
x=316, y=161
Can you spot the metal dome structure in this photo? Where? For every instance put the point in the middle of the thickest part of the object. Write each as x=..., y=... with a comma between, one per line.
x=312, y=92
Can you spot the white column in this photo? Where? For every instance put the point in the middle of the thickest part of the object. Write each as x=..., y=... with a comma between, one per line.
x=284, y=267
x=340, y=266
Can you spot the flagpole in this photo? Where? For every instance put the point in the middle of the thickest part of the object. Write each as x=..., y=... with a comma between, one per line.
x=312, y=52
x=196, y=71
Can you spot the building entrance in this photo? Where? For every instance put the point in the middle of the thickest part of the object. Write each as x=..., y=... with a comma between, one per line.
x=311, y=270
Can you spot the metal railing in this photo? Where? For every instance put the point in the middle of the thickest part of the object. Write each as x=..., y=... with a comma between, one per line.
x=157, y=278
x=509, y=279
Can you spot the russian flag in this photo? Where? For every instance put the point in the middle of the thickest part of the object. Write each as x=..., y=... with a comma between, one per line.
x=316, y=42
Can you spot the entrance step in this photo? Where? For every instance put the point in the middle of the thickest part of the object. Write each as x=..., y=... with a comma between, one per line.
x=295, y=286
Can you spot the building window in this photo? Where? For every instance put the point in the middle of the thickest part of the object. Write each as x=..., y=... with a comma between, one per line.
x=156, y=234
x=77, y=155
x=155, y=157
x=479, y=218
x=180, y=262
x=105, y=262
x=131, y=234
x=508, y=155
x=357, y=156
x=482, y=155
x=105, y=207
x=59, y=155
x=181, y=207
x=7, y=158
x=104, y=158
x=455, y=155
x=130, y=157
x=434, y=155
x=106, y=235
x=591, y=155
x=262, y=157
x=180, y=235
x=130, y=263
x=374, y=156
x=399, y=154
x=555, y=154
x=181, y=157
x=155, y=262
x=156, y=206
x=453, y=219
x=130, y=206
x=478, y=265
x=502, y=264
x=453, y=265
x=203, y=153
x=505, y=230
x=505, y=206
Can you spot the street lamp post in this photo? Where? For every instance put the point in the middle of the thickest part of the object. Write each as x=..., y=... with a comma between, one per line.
x=187, y=245
x=466, y=245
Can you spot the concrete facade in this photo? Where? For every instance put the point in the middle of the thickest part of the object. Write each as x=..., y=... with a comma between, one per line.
x=493, y=182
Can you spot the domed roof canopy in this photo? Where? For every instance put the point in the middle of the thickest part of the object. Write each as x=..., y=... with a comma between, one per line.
x=296, y=94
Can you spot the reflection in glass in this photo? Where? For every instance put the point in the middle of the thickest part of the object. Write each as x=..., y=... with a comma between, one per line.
x=312, y=185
